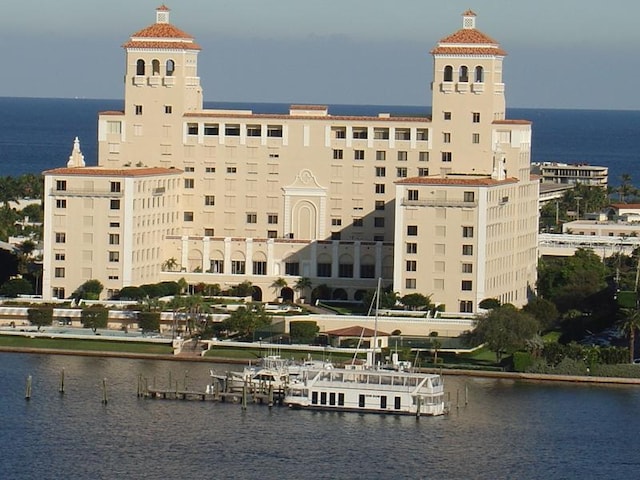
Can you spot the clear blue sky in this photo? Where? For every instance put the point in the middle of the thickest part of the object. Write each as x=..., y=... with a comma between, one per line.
x=562, y=53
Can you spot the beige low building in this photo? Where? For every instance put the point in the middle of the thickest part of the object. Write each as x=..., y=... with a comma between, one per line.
x=257, y=197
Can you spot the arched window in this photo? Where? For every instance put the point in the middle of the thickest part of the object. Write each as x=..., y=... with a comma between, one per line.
x=464, y=74
x=171, y=67
x=479, y=74
x=155, y=67
x=140, y=67
x=448, y=73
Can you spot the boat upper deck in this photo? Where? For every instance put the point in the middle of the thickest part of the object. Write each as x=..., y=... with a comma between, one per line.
x=374, y=380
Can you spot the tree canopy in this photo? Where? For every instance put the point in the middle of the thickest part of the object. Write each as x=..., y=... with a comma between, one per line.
x=94, y=317
x=505, y=329
x=244, y=321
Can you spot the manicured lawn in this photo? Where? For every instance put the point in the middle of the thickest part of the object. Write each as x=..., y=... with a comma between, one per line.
x=84, y=345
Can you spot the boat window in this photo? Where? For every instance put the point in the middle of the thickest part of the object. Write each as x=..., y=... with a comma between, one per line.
x=361, y=401
x=323, y=398
x=314, y=398
x=332, y=398
x=341, y=399
x=383, y=401
x=397, y=403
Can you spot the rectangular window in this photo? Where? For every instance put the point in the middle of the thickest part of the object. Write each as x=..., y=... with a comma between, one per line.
x=381, y=155
x=467, y=285
x=168, y=109
x=189, y=169
x=59, y=272
x=61, y=185
x=209, y=232
x=412, y=230
x=423, y=156
x=60, y=257
x=360, y=133
x=232, y=130
x=401, y=172
x=467, y=249
x=467, y=268
x=422, y=134
x=476, y=117
x=114, y=224
x=381, y=171
x=272, y=219
x=114, y=256
x=379, y=187
x=358, y=154
x=61, y=203
x=188, y=216
x=259, y=268
x=116, y=187
x=211, y=129
x=192, y=129
x=216, y=266
x=114, y=128
x=252, y=218
x=254, y=131
x=138, y=109
x=336, y=222
x=412, y=247
x=381, y=133
x=274, y=131
x=210, y=169
x=469, y=196
x=378, y=222
x=412, y=194
x=114, y=239
x=189, y=183
x=378, y=238
x=412, y=265
x=403, y=134
x=339, y=132
x=423, y=172
x=475, y=138
x=446, y=137
x=237, y=267
x=446, y=156
x=358, y=222
x=410, y=283
x=447, y=115
x=466, y=306
x=379, y=205
x=467, y=232
x=232, y=170
x=367, y=271
x=114, y=204
x=337, y=154
x=402, y=156
x=272, y=234
x=345, y=270
x=323, y=269
x=292, y=268
x=210, y=200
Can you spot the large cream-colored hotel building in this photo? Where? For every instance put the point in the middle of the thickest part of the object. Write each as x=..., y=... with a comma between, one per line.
x=442, y=205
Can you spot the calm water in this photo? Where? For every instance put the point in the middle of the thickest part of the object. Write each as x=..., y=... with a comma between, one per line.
x=509, y=430
x=37, y=134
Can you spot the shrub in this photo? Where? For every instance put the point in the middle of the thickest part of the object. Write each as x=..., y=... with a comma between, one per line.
x=41, y=316
x=522, y=361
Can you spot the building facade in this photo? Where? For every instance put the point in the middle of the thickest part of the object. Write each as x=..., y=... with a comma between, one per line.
x=303, y=194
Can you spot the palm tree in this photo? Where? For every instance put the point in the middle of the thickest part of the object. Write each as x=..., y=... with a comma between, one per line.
x=302, y=284
x=435, y=346
x=629, y=323
x=278, y=284
x=170, y=264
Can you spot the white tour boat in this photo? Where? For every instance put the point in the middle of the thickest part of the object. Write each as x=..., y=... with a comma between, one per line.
x=368, y=390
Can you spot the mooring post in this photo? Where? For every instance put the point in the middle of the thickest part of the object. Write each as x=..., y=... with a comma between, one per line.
x=270, y=395
x=62, y=381
x=27, y=393
x=186, y=377
x=457, y=398
x=170, y=381
x=104, y=391
x=244, y=396
x=466, y=394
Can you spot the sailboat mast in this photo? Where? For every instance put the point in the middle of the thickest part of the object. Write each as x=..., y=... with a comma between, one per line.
x=375, y=322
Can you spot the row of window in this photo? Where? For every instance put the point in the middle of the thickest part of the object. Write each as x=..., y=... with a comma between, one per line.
x=233, y=130
x=411, y=284
x=463, y=74
x=381, y=155
x=401, y=172
x=379, y=133
x=475, y=116
x=412, y=266
x=114, y=187
x=169, y=67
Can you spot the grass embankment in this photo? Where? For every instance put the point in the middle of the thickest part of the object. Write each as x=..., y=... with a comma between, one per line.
x=85, y=345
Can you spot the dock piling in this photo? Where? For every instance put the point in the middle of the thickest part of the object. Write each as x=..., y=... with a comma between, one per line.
x=62, y=382
x=27, y=393
x=104, y=391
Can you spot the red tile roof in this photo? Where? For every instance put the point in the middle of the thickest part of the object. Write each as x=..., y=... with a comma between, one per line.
x=355, y=331
x=163, y=8
x=209, y=114
x=625, y=205
x=468, y=41
x=511, y=122
x=156, y=44
x=470, y=182
x=114, y=172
